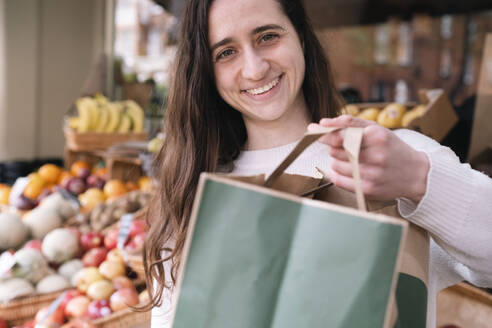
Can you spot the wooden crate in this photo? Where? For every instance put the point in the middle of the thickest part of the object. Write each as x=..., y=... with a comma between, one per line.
x=464, y=306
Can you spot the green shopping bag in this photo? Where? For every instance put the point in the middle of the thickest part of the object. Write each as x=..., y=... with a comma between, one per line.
x=260, y=257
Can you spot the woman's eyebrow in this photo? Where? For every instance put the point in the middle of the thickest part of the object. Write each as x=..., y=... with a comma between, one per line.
x=257, y=30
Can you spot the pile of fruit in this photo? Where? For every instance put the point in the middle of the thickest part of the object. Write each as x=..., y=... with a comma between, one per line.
x=392, y=116
x=97, y=114
x=64, y=259
x=88, y=184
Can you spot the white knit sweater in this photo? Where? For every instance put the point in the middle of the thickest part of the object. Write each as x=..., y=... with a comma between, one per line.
x=456, y=209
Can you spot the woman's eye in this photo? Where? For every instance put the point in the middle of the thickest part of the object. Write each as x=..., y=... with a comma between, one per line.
x=224, y=54
x=268, y=37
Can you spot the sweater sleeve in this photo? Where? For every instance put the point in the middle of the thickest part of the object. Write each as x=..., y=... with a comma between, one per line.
x=456, y=209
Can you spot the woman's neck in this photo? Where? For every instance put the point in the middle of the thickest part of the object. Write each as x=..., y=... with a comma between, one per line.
x=269, y=134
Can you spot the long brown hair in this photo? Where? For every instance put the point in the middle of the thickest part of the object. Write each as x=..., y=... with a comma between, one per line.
x=203, y=132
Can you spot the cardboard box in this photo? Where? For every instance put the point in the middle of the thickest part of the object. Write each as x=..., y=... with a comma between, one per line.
x=439, y=116
x=481, y=136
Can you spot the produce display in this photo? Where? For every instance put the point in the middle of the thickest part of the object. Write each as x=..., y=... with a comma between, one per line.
x=97, y=114
x=392, y=116
x=59, y=232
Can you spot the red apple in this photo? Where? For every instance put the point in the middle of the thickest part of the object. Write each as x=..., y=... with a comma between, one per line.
x=34, y=244
x=91, y=239
x=83, y=173
x=94, y=257
x=24, y=203
x=137, y=227
x=3, y=323
x=111, y=238
x=69, y=295
x=136, y=244
x=76, y=186
x=77, y=307
x=123, y=298
x=57, y=317
x=95, y=181
x=122, y=282
x=99, y=309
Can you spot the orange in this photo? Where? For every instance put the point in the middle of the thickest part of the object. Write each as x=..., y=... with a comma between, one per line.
x=102, y=172
x=77, y=166
x=4, y=195
x=114, y=188
x=36, y=177
x=33, y=189
x=50, y=173
x=130, y=185
x=144, y=183
x=3, y=185
x=64, y=175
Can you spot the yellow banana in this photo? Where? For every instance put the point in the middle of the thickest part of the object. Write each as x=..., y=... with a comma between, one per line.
x=125, y=124
x=84, y=123
x=103, y=119
x=115, y=113
x=73, y=123
x=136, y=113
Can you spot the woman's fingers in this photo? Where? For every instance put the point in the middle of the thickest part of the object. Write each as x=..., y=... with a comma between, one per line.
x=345, y=121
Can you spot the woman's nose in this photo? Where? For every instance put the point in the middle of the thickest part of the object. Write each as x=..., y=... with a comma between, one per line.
x=255, y=66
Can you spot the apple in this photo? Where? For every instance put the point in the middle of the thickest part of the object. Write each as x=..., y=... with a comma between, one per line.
x=137, y=227
x=111, y=238
x=111, y=269
x=122, y=282
x=85, y=277
x=95, y=181
x=24, y=203
x=136, y=244
x=115, y=255
x=69, y=295
x=123, y=298
x=83, y=173
x=33, y=244
x=77, y=307
x=99, y=309
x=57, y=317
x=3, y=323
x=100, y=290
x=76, y=186
x=91, y=239
x=94, y=257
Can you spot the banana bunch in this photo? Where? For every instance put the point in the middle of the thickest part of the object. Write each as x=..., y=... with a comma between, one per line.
x=100, y=115
x=392, y=116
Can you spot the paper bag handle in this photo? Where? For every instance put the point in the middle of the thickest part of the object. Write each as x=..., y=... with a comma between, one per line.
x=351, y=143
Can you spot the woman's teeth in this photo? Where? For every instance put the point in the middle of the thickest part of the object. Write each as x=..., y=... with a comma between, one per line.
x=264, y=88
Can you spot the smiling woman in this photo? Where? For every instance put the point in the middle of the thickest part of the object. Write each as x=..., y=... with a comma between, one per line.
x=250, y=77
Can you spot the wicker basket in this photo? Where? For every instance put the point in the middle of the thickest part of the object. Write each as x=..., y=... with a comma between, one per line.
x=124, y=318
x=90, y=141
x=23, y=309
x=135, y=262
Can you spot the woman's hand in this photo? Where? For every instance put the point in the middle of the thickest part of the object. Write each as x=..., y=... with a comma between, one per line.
x=389, y=168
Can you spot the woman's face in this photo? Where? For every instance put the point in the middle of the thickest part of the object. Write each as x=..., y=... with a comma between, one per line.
x=258, y=59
